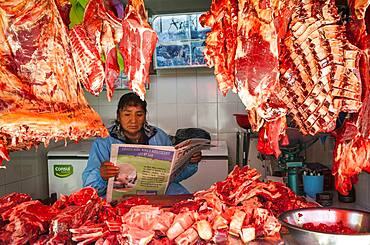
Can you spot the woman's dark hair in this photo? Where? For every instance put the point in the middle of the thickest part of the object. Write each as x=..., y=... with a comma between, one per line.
x=130, y=99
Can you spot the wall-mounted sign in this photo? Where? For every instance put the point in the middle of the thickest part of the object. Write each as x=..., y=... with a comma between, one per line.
x=181, y=40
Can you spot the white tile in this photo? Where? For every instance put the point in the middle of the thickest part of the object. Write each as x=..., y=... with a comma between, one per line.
x=13, y=187
x=230, y=138
x=241, y=108
x=320, y=152
x=12, y=171
x=2, y=176
x=230, y=97
x=117, y=96
x=29, y=168
x=151, y=93
x=108, y=113
x=42, y=164
x=95, y=108
x=206, y=88
x=207, y=117
x=363, y=191
x=108, y=122
x=92, y=99
x=28, y=186
x=2, y=190
x=253, y=160
x=24, y=153
x=103, y=101
x=226, y=118
x=231, y=146
x=167, y=117
x=187, y=115
x=186, y=89
x=42, y=187
x=151, y=116
x=54, y=145
x=166, y=89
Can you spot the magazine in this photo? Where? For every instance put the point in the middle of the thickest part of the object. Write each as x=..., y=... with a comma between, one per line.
x=147, y=169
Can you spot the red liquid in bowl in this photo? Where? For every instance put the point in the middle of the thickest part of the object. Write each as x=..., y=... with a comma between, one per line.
x=338, y=228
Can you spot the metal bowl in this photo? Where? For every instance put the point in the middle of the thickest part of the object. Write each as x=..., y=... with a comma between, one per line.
x=354, y=219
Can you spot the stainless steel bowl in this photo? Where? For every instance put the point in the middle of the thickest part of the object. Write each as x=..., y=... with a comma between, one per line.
x=354, y=219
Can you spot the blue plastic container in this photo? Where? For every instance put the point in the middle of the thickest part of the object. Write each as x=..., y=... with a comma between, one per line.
x=313, y=184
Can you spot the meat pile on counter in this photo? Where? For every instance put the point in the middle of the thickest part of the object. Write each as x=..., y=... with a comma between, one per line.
x=297, y=58
x=43, y=66
x=240, y=208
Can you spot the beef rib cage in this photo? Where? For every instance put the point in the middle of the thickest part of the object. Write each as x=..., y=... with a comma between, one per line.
x=292, y=57
x=318, y=66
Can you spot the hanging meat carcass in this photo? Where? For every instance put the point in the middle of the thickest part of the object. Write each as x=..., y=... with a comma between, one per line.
x=352, y=148
x=289, y=55
x=96, y=37
x=137, y=45
x=221, y=42
x=42, y=65
x=41, y=98
x=293, y=57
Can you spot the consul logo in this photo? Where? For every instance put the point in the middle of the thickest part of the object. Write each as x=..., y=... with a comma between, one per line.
x=63, y=171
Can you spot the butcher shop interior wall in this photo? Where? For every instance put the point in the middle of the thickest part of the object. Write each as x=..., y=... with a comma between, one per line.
x=176, y=98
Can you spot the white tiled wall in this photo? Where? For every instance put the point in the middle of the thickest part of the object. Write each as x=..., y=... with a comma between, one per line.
x=26, y=172
x=321, y=151
x=183, y=98
x=363, y=191
x=176, y=99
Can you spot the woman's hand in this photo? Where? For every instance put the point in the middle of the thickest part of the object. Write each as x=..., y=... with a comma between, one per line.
x=108, y=169
x=196, y=157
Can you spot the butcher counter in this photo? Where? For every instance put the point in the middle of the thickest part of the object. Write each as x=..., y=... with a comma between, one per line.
x=168, y=201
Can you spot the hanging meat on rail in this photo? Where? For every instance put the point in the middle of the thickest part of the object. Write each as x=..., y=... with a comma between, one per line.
x=41, y=98
x=352, y=147
x=96, y=37
x=97, y=41
x=137, y=45
x=43, y=64
x=294, y=58
x=221, y=42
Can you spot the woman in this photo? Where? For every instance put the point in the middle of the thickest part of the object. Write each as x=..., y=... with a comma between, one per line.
x=130, y=128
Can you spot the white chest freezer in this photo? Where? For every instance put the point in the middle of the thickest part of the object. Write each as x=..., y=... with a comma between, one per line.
x=65, y=167
x=66, y=164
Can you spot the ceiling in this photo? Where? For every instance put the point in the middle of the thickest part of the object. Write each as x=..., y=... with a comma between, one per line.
x=175, y=6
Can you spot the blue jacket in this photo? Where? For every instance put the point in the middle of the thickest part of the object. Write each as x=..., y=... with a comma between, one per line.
x=100, y=152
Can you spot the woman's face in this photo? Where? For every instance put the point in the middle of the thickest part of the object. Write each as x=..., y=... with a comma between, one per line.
x=132, y=119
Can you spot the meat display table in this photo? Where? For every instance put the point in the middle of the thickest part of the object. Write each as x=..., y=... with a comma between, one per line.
x=165, y=201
